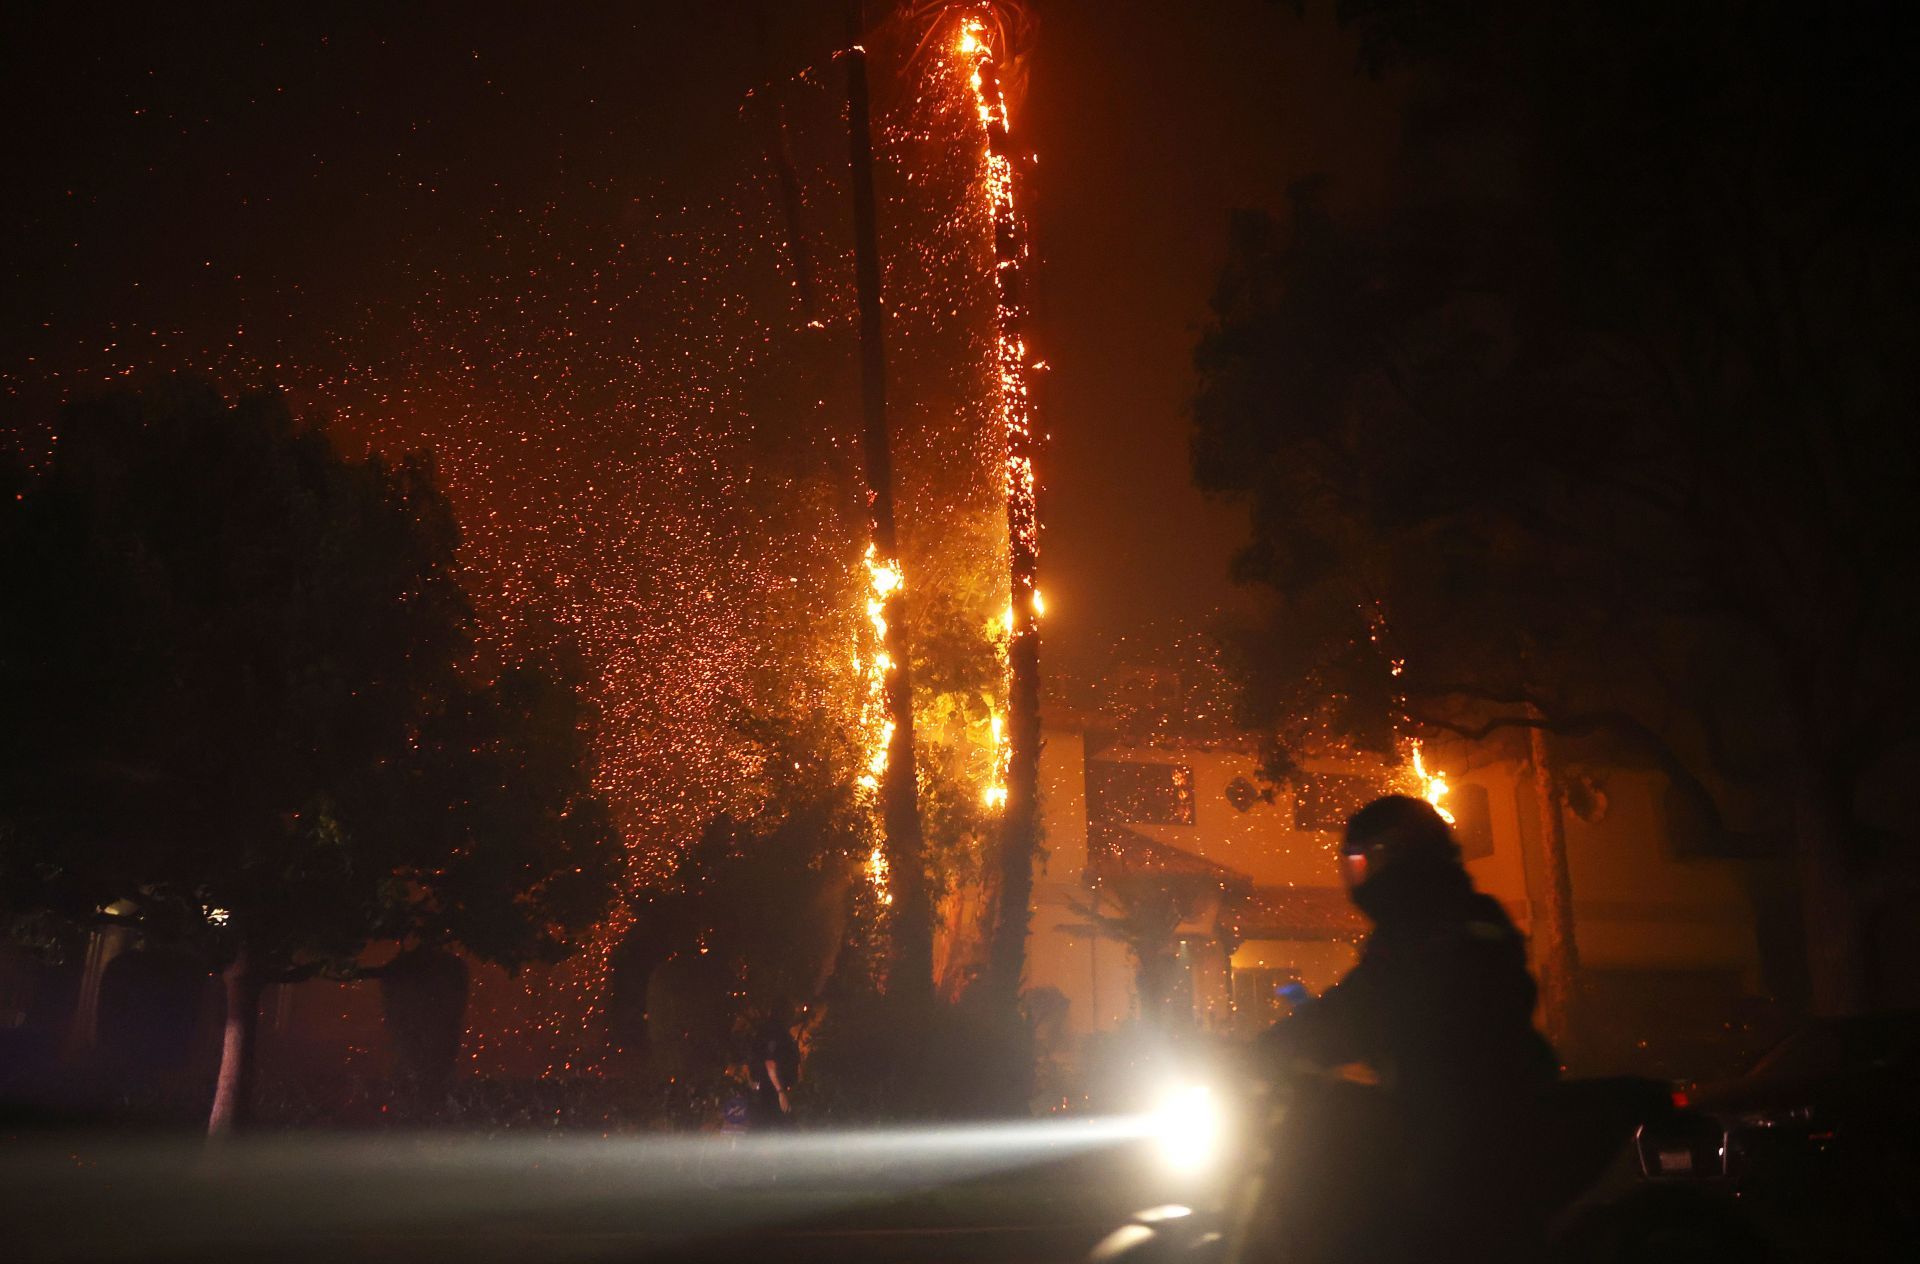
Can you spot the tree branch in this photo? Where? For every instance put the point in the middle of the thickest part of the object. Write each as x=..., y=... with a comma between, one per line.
x=1586, y=724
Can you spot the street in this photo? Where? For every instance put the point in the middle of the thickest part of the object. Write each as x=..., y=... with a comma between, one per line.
x=1041, y=1191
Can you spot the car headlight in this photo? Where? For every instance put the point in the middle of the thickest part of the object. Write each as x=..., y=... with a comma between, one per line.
x=1187, y=1127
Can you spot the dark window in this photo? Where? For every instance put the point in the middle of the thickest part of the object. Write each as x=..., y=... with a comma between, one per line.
x=1324, y=801
x=1472, y=820
x=1122, y=793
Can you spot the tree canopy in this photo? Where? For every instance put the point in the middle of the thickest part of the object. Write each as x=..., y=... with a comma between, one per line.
x=249, y=697
x=1605, y=424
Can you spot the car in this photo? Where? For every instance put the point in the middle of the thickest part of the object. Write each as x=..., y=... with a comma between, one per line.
x=1827, y=1124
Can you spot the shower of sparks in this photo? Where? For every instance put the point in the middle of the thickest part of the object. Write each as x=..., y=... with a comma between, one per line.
x=1012, y=368
x=608, y=393
x=944, y=301
x=643, y=433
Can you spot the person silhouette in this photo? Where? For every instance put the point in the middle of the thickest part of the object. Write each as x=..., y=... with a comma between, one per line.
x=773, y=1066
x=1436, y=1018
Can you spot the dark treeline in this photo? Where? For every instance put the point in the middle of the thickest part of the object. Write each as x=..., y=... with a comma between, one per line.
x=253, y=717
x=1604, y=430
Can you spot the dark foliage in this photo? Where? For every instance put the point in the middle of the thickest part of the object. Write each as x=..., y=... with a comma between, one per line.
x=246, y=700
x=1607, y=425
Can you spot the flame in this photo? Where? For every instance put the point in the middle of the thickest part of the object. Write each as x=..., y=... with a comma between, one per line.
x=1431, y=786
x=1011, y=368
x=884, y=578
x=995, y=795
x=877, y=874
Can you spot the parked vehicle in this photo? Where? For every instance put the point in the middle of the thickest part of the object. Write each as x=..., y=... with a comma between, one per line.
x=1826, y=1128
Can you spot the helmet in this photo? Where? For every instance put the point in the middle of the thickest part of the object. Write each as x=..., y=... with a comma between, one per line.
x=1395, y=832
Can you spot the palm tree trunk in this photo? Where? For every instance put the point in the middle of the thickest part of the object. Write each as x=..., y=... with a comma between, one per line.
x=1019, y=827
x=233, y=1092
x=910, y=965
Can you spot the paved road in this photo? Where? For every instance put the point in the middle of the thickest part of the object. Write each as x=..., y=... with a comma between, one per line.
x=1029, y=1192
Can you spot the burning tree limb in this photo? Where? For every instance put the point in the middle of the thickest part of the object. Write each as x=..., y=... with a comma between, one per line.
x=910, y=969
x=772, y=124
x=1019, y=831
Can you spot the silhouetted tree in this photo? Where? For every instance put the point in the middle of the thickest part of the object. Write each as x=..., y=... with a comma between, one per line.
x=245, y=696
x=1606, y=427
x=423, y=1005
x=1148, y=923
x=754, y=908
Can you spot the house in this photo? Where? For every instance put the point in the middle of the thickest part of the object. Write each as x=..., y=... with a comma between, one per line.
x=1176, y=885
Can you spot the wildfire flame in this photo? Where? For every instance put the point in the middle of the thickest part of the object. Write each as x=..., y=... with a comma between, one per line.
x=877, y=874
x=995, y=795
x=1431, y=786
x=1013, y=402
x=884, y=578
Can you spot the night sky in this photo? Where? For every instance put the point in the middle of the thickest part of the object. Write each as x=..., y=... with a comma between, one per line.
x=256, y=190
x=1141, y=160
